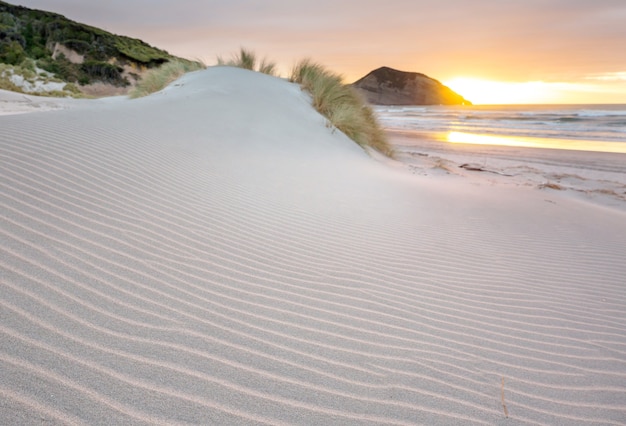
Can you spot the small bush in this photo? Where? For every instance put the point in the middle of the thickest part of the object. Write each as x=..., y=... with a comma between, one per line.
x=28, y=64
x=341, y=105
x=73, y=90
x=160, y=77
x=103, y=71
x=12, y=52
x=248, y=60
x=141, y=52
x=79, y=46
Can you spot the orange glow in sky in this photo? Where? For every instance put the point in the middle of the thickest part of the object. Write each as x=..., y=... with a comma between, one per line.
x=486, y=92
x=489, y=51
x=497, y=92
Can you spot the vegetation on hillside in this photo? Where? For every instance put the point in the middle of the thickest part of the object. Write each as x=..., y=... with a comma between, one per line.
x=160, y=77
x=33, y=34
x=26, y=78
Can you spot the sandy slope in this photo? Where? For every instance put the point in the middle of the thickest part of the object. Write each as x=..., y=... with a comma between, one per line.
x=214, y=254
x=12, y=103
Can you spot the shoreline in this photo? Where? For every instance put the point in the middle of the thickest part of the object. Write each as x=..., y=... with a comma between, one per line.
x=596, y=176
x=599, y=177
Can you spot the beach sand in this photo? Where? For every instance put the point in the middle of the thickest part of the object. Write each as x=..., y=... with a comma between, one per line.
x=216, y=254
x=598, y=177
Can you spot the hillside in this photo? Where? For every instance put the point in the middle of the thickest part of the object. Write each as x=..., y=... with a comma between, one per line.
x=71, y=51
x=387, y=86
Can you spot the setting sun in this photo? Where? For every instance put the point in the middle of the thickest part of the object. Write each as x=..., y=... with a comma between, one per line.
x=593, y=90
x=497, y=92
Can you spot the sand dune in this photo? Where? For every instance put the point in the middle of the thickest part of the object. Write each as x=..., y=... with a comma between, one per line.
x=215, y=254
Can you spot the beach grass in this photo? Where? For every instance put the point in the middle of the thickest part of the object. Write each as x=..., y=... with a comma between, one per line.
x=247, y=59
x=341, y=105
x=5, y=80
x=160, y=77
x=344, y=108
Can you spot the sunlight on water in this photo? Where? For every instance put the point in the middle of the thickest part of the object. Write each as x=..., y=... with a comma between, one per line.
x=529, y=142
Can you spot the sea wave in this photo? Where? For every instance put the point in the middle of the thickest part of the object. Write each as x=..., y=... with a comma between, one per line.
x=582, y=122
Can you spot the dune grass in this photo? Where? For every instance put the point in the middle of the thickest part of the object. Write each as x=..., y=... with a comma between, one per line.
x=248, y=60
x=341, y=105
x=160, y=77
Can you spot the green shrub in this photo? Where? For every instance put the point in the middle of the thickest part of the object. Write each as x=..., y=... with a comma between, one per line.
x=105, y=72
x=38, y=52
x=158, y=78
x=79, y=46
x=7, y=21
x=61, y=67
x=11, y=52
x=139, y=51
x=28, y=64
x=73, y=89
x=341, y=105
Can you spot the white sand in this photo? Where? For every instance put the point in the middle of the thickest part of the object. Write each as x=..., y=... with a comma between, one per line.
x=214, y=254
x=12, y=103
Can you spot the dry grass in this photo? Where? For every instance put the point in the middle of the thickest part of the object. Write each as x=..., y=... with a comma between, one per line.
x=160, y=77
x=341, y=105
x=248, y=60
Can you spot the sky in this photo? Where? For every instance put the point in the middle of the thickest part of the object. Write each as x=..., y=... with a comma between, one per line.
x=490, y=51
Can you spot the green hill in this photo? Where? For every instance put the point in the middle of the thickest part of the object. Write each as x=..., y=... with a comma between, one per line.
x=73, y=52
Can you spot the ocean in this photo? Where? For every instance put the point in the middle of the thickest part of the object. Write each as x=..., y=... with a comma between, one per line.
x=599, y=128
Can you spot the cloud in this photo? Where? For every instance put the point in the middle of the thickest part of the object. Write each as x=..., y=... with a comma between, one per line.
x=611, y=76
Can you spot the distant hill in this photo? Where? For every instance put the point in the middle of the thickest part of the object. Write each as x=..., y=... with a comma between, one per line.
x=387, y=86
x=73, y=52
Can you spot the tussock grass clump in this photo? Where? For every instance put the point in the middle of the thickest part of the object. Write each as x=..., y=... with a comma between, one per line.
x=160, y=77
x=248, y=60
x=6, y=71
x=341, y=105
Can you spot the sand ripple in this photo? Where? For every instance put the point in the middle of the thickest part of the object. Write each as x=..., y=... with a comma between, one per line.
x=214, y=254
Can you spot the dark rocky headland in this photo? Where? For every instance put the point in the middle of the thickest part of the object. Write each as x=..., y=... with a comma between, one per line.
x=387, y=86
